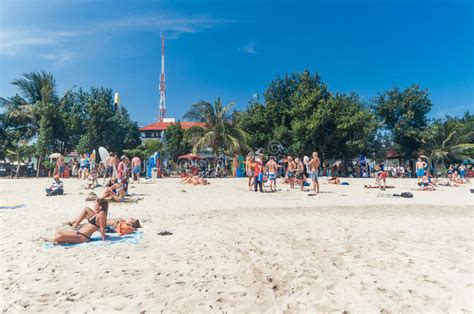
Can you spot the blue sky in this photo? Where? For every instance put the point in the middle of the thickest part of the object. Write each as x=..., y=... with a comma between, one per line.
x=233, y=49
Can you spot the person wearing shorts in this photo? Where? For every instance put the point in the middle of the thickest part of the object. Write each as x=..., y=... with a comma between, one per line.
x=272, y=169
x=249, y=169
x=314, y=168
x=136, y=168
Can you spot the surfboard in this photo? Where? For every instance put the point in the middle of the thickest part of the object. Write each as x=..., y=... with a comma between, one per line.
x=103, y=153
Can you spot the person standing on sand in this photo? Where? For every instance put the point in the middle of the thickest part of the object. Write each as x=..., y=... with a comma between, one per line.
x=122, y=171
x=258, y=174
x=272, y=171
x=291, y=172
x=136, y=168
x=115, y=163
x=249, y=166
x=300, y=172
x=314, y=169
x=109, y=168
x=420, y=169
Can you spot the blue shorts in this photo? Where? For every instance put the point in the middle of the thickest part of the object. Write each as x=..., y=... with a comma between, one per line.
x=420, y=172
x=272, y=176
x=313, y=175
x=136, y=170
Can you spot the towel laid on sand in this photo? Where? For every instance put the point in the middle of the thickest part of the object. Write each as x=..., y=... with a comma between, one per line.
x=96, y=240
x=11, y=206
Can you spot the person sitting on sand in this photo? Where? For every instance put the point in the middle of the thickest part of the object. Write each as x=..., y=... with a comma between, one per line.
x=92, y=182
x=96, y=221
x=334, y=180
x=114, y=191
x=57, y=187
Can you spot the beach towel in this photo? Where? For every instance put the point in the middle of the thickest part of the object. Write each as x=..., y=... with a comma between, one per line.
x=96, y=240
x=11, y=206
x=378, y=187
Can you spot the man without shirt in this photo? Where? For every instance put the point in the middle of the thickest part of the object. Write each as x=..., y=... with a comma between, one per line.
x=272, y=170
x=314, y=168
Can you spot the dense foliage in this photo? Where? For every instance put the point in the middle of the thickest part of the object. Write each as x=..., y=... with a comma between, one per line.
x=79, y=120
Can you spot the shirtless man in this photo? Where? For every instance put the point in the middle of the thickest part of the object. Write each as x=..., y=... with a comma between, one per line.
x=249, y=166
x=291, y=172
x=136, y=168
x=420, y=169
x=272, y=170
x=314, y=169
x=109, y=167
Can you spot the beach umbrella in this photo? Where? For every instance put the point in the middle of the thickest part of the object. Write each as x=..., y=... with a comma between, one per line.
x=55, y=155
x=189, y=156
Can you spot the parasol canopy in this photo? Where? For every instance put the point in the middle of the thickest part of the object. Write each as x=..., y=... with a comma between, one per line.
x=190, y=156
x=55, y=155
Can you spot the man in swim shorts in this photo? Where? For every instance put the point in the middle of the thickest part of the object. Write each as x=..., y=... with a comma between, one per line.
x=272, y=170
x=314, y=169
x=420, y=169
x=136, y=168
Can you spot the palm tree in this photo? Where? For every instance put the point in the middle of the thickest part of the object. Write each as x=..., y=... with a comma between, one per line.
x=22, y=111
x=448, y=140
x=222, y=134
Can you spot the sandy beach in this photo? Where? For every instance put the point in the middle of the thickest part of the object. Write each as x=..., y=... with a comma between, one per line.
x=348, y=249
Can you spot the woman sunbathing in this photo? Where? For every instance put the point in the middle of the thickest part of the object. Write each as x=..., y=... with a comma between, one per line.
x=194, y=180
x=334, y=180
x=96, y=220
x=114, y=191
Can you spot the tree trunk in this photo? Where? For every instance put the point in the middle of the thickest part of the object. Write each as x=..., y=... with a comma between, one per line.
x=38, y=166
x=18, y=165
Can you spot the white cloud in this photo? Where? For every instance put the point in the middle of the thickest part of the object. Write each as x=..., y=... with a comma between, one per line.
x=249, y=48
x=52, y=44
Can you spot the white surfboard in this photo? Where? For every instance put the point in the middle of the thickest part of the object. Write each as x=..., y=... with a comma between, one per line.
x=104, y=154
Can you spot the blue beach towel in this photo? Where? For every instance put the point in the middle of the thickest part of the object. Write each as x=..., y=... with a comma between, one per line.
x=11, y=206
x=96, y=240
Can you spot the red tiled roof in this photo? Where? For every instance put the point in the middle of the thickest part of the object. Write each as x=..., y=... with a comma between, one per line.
x=161, y=126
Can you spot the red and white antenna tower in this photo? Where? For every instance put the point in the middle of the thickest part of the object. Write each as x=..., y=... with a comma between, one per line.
x=162, y=113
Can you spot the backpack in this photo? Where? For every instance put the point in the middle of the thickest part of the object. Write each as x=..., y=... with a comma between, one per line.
x=406, y=195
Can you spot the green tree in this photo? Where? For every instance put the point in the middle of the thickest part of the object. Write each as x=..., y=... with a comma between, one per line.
x=103, y=126
x=174, y=143
x=220, y=134
x=450, y=139
x=404, y=115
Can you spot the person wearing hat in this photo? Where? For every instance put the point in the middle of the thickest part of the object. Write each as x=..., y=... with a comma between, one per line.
x=57, y=188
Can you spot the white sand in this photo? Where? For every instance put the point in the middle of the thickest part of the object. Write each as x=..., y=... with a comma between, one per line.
x=239, y=251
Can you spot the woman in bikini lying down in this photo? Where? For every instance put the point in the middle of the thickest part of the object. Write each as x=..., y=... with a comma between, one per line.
x=96, y=220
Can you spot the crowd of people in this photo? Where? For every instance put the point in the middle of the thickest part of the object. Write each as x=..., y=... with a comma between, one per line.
x=296, y=172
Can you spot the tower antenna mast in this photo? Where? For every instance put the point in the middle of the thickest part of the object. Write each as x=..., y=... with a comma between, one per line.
x=162, y=113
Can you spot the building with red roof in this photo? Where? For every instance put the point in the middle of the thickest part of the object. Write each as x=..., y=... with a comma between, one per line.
x=154, y=131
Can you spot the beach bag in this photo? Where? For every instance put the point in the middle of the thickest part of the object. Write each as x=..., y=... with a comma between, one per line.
x=406, y=195
x=123, y=229
x=260, y=177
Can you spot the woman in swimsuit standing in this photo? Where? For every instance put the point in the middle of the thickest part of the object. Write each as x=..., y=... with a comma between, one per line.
x=96, y=218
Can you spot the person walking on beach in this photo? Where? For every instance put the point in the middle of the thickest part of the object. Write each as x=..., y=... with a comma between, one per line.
x=272, y=171
x=420, y=169
x=136, y=168
x=313, y=172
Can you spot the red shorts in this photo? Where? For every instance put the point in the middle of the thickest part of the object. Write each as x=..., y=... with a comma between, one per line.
x=383, y=175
